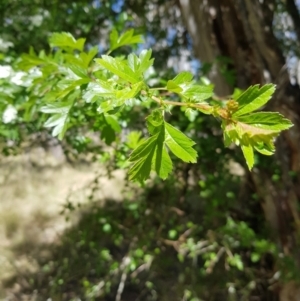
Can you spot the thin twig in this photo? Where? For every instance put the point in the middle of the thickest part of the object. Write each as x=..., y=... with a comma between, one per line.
x=182, y=104
x=121, y=286
x=217, y=258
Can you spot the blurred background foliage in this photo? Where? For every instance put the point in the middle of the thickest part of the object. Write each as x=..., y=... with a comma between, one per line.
x=203, y=234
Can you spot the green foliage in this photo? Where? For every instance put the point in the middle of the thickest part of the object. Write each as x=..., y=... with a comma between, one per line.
x=192, y=232
x=74, y=90
x=127, y=38
x=153, y=240
x=66, y=41
x=253, y=130
x=153, y=154
x=119, y=68
x=182, y=84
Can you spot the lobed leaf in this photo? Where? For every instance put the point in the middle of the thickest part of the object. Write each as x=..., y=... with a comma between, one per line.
x=127, y=38
x=29, y=61
x=140, y=64
x=250, y=136
x=66, y=41
x=155, y=121
x=163, y=163
x=59, y=108
x=182, y=78
x=70, y=86
x=129, y=92
x=253, y=98
x=109, y=126
x=79, y=71
x=99, y=89
x=86, y=58
x=134, y=139
x=183, y=86
x=60, y=118
x=142, y=157
x=179, y=144
x=118, y=68
x=267, y=120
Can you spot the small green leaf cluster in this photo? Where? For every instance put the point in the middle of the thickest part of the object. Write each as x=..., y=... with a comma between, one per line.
x=73, y=88
x=152, y=153
x=254, y=130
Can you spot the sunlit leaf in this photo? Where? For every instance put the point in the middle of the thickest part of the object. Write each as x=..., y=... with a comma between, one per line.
x=267, y=120
x=118, y=68
x=179, y=144
x=127, y=38
x=65, y=40
x=249, y=155
x=253, y=98
x=140, y=64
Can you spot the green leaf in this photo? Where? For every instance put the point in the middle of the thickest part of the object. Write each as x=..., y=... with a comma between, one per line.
x=129, y=92
x=152, y=153
x=179, y=144
x=145, y=60
x=154, y=121
x=79, y=71
x=127, y=38
x=236, y=261
x=113, y=122
x=183, y=77
x=118, y=68
x=66, y=41
x=88, y=57
x=140, y=64
x=108, y=106
x=198, y=93
x=173, y=87
x=265, y=149
x=190, y=114
x=98, y=90
x=113, y=39
x=73, y=60
x=142, y=157
x=249, y=155
x=267, y=120
x=250, y=137
x=68, y=86
x=59, y=120
x=134, y=139
x=253, y=98
x=59, y=108
x=183, y=86
x=105, y=89
x=163, y=161
x=255, y=257
x=29, y=61
x=109, y=126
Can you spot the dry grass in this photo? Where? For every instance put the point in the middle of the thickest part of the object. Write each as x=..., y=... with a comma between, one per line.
x=33, y=189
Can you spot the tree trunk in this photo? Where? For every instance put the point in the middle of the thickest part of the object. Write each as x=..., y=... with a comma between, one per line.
x=242, y=31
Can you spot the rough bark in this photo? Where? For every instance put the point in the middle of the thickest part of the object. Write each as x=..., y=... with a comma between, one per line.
x=199, y=18
x=242, y=30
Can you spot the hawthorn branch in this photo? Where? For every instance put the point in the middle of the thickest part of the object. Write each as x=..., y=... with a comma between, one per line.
x=202, y=107
x=177, y=103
